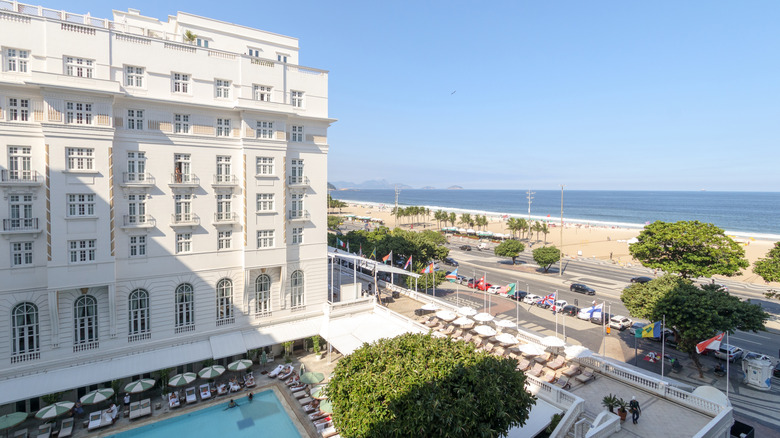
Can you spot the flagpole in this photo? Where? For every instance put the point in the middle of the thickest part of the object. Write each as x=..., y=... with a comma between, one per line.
x=555, y=298
x=663, y=345
x=727, y=365
x=517, y=307
x=603, y=331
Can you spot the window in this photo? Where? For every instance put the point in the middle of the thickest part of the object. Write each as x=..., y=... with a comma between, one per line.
x=135, y=119
x=80, y=67
x=18, y=110
x=224, y=239
x=263, y=295
x=82, y=251
x=136, y=209
x=81, y=205
x=222, y=88
x=19, y=163
x=296, y=171
x=21, y=254
x=296, y=209
x=262, y=93
x=136, y=167
x=134, y=76
x=202, y=42
x=265, y=239
x=181, y=168
x=297, y=235
x=297, y=133
x=183, y=207
x=223, y=127
x=265, y=130
x=224, y=212
x=183, y=243
x=296, y=98
x=181, y=83
x=254, y=52
x=16, y=60
x=296, y=287
x=181, y=123
x=265, y=166
x=265, y=202
x=185, y=308
x=224, y=174
x=138, y=316
x=137, y=246
x=25, y=332
x=21, y=216
x=225, y=302
x=78, y=113
x=281, y=58
x=80, y=159
x=85, y=321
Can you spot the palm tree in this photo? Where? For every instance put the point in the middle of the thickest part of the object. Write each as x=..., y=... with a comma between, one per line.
x=521, y=226
x=545, y=230
x=466, y=219
x=537, y=228
x=453, y=217
x=189, y=37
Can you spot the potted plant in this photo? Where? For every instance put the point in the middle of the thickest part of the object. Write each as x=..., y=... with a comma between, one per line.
x=163, y=376
x=622, y=411
x=610, y=402
x=288, y=346
x=189, y=37
x=315, y=340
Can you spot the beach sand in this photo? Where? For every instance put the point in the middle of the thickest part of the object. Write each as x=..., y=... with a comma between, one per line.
x=579, y=240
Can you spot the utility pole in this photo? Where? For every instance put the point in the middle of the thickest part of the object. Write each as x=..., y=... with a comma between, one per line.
x=560, y=271
x=395, y=215
x=529, y=195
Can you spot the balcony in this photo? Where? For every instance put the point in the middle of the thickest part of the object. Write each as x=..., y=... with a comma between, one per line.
x=21, y=226
x=184, y=180
x=225, y=181
x=298, y=215
x=185, y=220
x=138, y=221
x=20, y=178
x=225, y=218
x=133, y=179
x=298, y=181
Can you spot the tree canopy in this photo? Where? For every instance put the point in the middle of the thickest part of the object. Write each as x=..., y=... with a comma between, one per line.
x=509, y=248
x=693, y=313
x=334, y=222
x=546, y=256
x=768, y=267
x=689, y=248
x=418, y=385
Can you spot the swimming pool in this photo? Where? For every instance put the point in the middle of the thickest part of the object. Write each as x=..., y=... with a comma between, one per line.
x=263, y=416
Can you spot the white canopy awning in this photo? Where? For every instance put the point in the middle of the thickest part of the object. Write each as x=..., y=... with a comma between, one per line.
x=227, y=345
x=347, y=334
x=278, y=333
x=369, y=263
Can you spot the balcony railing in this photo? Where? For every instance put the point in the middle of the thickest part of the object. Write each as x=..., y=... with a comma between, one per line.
x=20, y=225
x=227, y=217
x=138, y=221
x=133, y=179
x=225, y=180
x=20, y=178
x=184, y=180
x=300, y=181
x=298, y=215
x=184, y=219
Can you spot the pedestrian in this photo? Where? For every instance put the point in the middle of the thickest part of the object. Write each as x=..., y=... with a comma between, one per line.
x=633, y=406
x=127, y=399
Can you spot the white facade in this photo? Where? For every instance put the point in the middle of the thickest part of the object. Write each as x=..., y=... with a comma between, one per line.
x=158, y=195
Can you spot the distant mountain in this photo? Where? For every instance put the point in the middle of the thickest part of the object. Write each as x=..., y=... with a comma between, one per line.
x=331, y=186
x=454, y=188
x=428, y=188
x=368, y=185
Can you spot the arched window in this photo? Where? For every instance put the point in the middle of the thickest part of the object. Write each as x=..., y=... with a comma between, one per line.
x=85, y=320
x=26, y=343
x=296, y=287
x=225, y=302
x=263, y=295
x=138, y=315
x=185, y=308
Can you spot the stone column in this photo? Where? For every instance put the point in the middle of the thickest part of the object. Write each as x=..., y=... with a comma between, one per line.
x=112, y=310
x=55, y=319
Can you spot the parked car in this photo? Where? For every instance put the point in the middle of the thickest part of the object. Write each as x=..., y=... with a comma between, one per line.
x=559, y=304
x=472, y=283
x=465, y=247
x=620, y=322
x=581, y=288
x=494, y=289
x=776, y=371
x=483, y=286
x=671, y=341
x=601, y=319
x=641, y=280
x=531, y=298
x=519, y=295
x=570, y=309
x=450, y=261
x=584, y=314
x=728, y=351
x=462, y=279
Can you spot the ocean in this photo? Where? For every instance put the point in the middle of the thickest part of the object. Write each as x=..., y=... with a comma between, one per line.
x=752, y=214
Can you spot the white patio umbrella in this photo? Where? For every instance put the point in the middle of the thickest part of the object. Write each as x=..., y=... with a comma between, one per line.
x=446, y=315
x=182, y=379
x=239, y=365
x=463, y=321
x=211, y=372
x=552, y=341
x=430, y=307
x=485, y=330
x=97, y=396
x=505, y=323
x=483, y=317
x=54, y=410
x=531, y=349
x=467, y=311
x=141, y=385
x=507, y=339
x=573, y=351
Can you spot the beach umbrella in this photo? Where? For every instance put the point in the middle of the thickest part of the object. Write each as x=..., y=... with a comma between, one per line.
x=485, y=330
x=211, y=372
x=505, y=323
x=182, y=379
x=54, y=410
x=312, y=377
x=552, y=341
x=463, y=321
x=326, y=406
x=467, y=311
x=483, y=317
x=507, y=339
x=97, y=396
x=318, y=392
x=11, y=420
x=446, y=315
x=431, y=307
x=141, y=385
x=239, y=365
x=531, y=349
x=573, y=351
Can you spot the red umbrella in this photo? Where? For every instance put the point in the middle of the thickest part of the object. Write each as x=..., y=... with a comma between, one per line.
x=709, y=344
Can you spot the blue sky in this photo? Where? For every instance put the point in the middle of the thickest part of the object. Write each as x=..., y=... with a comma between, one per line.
x=663, y=95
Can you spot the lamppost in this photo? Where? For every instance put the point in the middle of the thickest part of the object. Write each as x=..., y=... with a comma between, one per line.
x=560, y=271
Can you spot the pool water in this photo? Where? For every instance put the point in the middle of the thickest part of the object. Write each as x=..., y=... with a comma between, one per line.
x=263, y=416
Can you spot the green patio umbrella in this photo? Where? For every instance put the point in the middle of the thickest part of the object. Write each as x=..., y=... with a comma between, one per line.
x=97, y=396
x=312, y=377
x=318, y=392
x=239, y=365
x=211, y=372
x=141, y=385
x=326, y=406
x=263, y=359
x=182, y=379
x=54, y=410
x=11, y=420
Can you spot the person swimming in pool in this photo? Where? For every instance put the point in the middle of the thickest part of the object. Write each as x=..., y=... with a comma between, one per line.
x=232, y=404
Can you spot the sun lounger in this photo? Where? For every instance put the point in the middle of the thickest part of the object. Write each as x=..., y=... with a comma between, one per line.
x=317, y=415
x=488, y=347
x=549, y=376
x=499, y=351
x=21, y=433
x=300, y=394
x=586, y=376
x=563, y=382
x=467, y=337
x=66, y=428
x=432, y=322
x=286, y=373
x=536, y=371
x=135, y=409
x=222, y=389
x=234, y=386
x=44, y=430
x=450, y=328
x=276, y=371
x=249, y=380
x=542, y=358
x=205, y=391
x=99, y=419
x=523, y=364
x=477, y=341
x=457, y=334
x=557, y=363
x=329, y=432
x=173, y=400
x=297, y=388
x=190, y=395
x=305, y=401
x=146, y=407
x=571, y=370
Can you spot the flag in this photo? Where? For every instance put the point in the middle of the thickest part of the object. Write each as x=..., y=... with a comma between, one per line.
x=595, y=310
x=652, y=330
x=428, y=269
x=373, y=254
x=340, y=243
x=387, y=257
x=452, y=275
x=408, y=262
x=511, y=289
x=360, y=251
x=710, y=344
x=549, y=300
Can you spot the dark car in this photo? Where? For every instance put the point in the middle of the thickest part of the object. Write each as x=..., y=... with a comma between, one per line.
x=581, y=288
x=465, y=247
x=570, y=310
x=641, y=280
x=450, y=261
x=518, y=296
x=602, y=319
x=776, y=371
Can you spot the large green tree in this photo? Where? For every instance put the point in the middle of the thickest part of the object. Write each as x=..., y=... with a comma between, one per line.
x=692, y=312
x=689, y=248
x=768, y=267
x=509, y=248
x=420, y=386
x=334, y=222
x=546, y=256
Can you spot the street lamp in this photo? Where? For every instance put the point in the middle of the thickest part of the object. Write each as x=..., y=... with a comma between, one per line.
x=560, y=271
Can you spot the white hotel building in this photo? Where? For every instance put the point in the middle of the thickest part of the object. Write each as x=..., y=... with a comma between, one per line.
x=164, y=200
